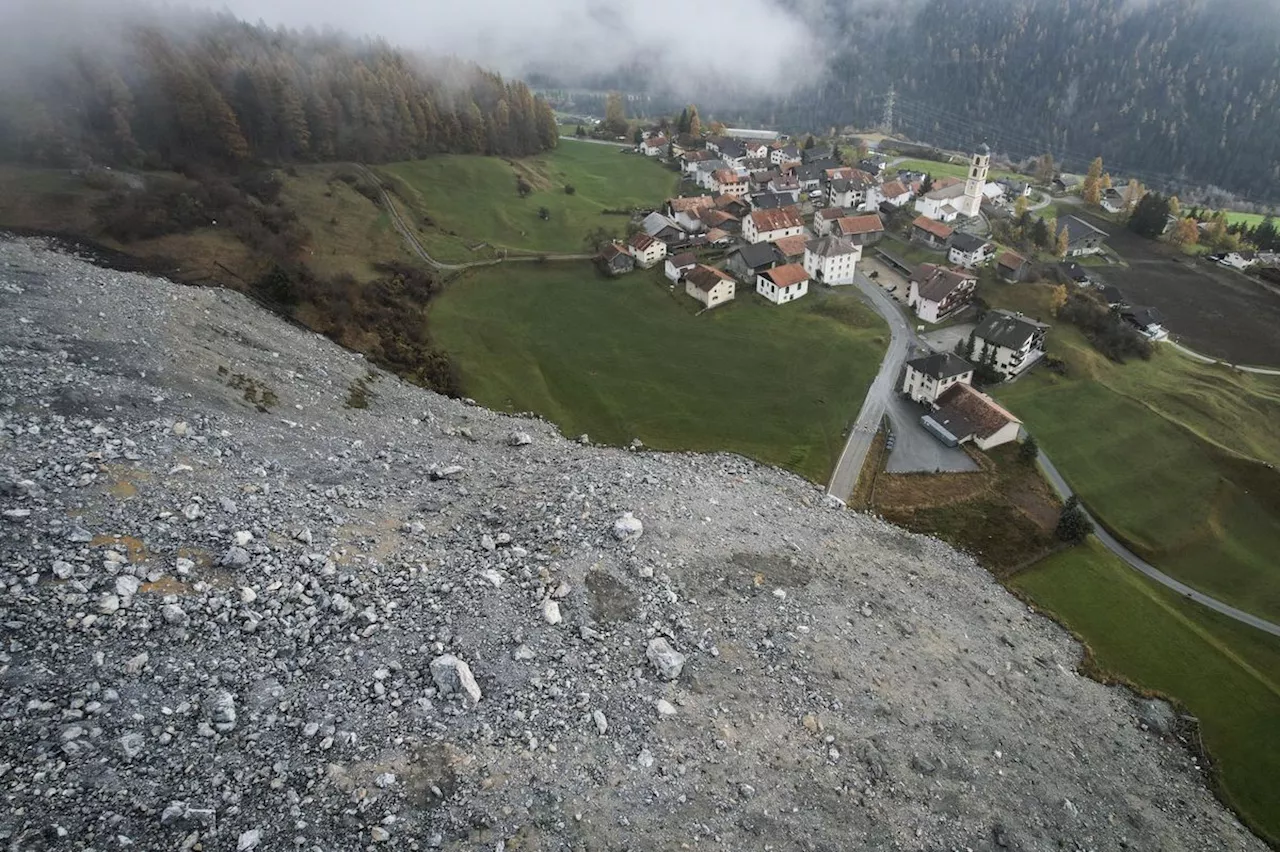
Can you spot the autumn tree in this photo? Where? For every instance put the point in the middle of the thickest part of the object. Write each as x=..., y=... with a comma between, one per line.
x=1186, y=232
x=1063, y=242
x=1020, y=206
x=1046, y=170
x=1175, y=206
x=695, y=122
x=1091, y=191
x=1057, y=298
x=615, y=114
x=1133, y=193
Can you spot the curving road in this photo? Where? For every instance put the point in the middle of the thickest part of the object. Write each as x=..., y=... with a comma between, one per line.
x=845, y=476
x=1109, y=541
x=417, y=248
x=854, y=455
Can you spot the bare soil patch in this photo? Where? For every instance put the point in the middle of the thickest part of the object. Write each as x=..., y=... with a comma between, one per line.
x=1214, y=310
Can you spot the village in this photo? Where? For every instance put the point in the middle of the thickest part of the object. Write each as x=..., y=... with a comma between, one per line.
x=760, y=211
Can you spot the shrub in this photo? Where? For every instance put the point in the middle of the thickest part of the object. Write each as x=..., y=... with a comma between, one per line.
x=1073, y=526
x=570, y=189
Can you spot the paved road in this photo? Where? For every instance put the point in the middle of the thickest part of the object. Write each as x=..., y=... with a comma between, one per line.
x=411, y=239
x=1109, y=541
x=597, y=141
x=854, y=454
x=1205, y=359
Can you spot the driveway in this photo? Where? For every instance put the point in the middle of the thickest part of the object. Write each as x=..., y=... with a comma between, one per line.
x=945, y=339
x=914, y=448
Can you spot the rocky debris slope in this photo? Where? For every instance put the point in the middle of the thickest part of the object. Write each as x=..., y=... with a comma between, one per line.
x=238, y=614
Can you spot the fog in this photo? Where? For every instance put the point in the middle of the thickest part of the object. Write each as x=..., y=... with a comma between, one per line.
x=758, y=46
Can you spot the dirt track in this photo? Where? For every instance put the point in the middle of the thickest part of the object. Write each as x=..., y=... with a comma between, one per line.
x=1217, y=311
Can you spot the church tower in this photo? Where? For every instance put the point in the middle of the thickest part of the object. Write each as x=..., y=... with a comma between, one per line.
x=978, y=165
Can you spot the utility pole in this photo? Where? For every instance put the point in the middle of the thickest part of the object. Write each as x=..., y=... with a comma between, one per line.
x=888, y=111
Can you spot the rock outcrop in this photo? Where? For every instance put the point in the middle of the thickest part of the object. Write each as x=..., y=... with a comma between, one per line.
x=236, y=614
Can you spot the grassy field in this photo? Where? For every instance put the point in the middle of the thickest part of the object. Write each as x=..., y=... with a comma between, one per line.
x=465, y=201
x=1172, y=454
x=627, y=358
x=959, y=170
x=1226, y=674
x=348, y=231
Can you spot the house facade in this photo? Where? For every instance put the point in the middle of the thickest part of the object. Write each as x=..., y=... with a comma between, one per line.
x=747, y=262
x=762, y=226
x=1112, y=200
x=1008, y=342
x=614, y=260
x=654, y=146
x=859, y=230
x=1239, y=259
x=646, y=250
x=783, y=284
x=942, y=204
x=931, y=233
x=709, y=285
x=832, y=260
x=729, y=182
x=1082, y=238
x=969, y=251
x=1012, y=267
x=937, y=292
x=925, y=379
x=678, y=264
x=964, y=414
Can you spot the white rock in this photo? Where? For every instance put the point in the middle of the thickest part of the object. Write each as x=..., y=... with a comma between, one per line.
x=665, y=707
x=385, y=780
x=487, y=542
x=137, y=663
x=452, y=676
x=249, y=840
x=667, y=661
x=551, y=612
x=183, y=566
x=127, y=585
x=492, y=577
x=627, y=527
x=180, y=428
x=243, y=537
x=520, y=439
x=223, y=712
x=173, y=614
x=379, y=834
x=108, y=604
x=247, y=595
x=602, y=724
x=523, y=652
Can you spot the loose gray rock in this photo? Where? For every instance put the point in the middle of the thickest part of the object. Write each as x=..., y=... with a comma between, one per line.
x=667, y=661
x=453, y=676
x=627, y=528
x=520, y=439
x=222, y=712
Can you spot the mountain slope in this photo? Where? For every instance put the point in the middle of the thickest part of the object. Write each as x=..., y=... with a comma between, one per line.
x=230, y=601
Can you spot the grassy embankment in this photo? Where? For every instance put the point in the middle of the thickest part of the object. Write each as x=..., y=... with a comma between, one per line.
x=1171, y=454
x=349, y=233
x=957, y=170
x=627, y=358
x=1223, y=672
x=468, y=205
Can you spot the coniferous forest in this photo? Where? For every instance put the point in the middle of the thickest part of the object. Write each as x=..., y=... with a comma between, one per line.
x=219, y=92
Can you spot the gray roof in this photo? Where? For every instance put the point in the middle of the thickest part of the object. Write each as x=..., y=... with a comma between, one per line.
x=655, y=223
x=1007, y=329
x=1079, y=229
x=941, y=365
x=772, y=200
x=756, y=255
x=830, y=246
x=1143, y=317
x=966, y=242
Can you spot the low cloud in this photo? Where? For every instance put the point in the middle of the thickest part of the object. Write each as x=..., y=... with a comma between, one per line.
x=748, y=45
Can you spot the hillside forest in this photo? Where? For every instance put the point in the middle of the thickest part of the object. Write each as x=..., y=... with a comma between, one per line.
x=219, y=92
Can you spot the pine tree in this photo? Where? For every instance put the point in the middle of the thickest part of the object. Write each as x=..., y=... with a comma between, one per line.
x=1029, y=450
x=682, y=124
x=1073, y=525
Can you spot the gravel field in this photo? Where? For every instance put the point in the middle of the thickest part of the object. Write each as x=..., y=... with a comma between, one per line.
x=239, y=615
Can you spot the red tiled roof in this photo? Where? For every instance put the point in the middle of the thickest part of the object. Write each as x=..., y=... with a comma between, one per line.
x=791, y=246
x=853, y=225
x=641, y=241
x=975, y=408
x=831, y=213
x=776, y=220
x=655, y=141
x=893, y=189
x=1010, y=260
x=705, y=278
x=786, y=275
x=726, y=176
x=933, y=226
x=693, y=203
x=680, y=261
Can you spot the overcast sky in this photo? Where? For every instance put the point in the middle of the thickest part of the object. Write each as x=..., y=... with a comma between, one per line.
x=676, y=40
